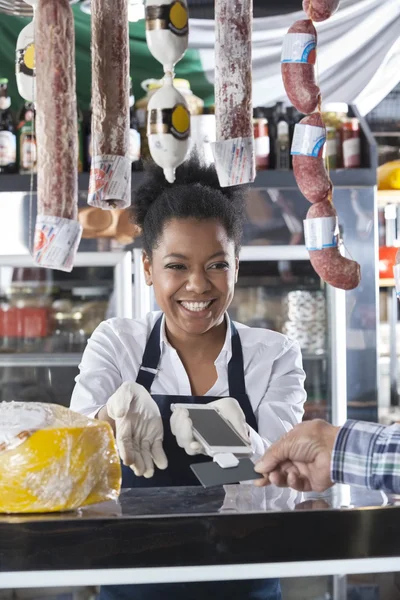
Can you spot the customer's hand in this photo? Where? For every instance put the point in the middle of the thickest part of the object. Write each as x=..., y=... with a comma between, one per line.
x=301, y=459
x=182, y=427
x=139, y=429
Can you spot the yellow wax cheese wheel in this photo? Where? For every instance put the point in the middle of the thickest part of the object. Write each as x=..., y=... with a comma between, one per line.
x=52, y=459
x=389, y=176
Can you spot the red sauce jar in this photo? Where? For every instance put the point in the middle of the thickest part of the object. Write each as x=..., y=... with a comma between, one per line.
x=350, y=144
x=261, y=143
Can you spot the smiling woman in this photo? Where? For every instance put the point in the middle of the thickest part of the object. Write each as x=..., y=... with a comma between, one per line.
x=190, y=352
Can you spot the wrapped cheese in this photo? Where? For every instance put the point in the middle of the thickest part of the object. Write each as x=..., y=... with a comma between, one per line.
x=167, y=30
x=168, y=128
x=52, y=459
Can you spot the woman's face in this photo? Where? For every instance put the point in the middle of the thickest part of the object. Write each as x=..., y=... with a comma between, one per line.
x=193, y=271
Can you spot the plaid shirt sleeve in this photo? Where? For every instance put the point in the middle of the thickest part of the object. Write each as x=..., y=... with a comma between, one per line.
x=368, y=455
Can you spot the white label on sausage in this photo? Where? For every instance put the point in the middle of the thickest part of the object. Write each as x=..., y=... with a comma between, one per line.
x=396, y=273
x=308, y=140
x=299, y=48
x=110, y=182
x=321, y=233
x=234, y=161
x=56, y=242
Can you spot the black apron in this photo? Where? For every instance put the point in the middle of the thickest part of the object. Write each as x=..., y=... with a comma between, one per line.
x=179, y=473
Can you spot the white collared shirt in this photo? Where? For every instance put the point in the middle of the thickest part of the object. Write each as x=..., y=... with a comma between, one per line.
x=273, y=371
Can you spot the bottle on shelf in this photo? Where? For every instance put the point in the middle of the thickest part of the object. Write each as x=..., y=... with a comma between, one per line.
x=81, y=157
x=350, y=143
x=27, y=151
x=134, y=134
x=89, y=138
x=261, y=139
x=269, y=112
x=8, y=139
x=282, y=142
x=293, y=117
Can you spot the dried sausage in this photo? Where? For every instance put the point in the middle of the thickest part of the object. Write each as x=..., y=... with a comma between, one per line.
x=56, y=119
x=57, y=231
x=111, y=168
x=234, y=149
x=298, y=60
x=233, y=99
x=320, y=10
x=308, y=163
x=331, y=266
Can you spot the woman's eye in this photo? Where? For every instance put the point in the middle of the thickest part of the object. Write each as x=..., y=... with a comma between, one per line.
x=175, y=267
x=221, y=266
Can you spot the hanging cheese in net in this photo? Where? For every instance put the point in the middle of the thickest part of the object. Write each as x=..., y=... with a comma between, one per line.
x=52, y=459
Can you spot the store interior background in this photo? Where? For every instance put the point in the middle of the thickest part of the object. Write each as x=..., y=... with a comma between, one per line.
x=350, y=342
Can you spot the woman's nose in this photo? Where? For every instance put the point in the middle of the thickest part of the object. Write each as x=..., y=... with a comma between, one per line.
x=198, y=282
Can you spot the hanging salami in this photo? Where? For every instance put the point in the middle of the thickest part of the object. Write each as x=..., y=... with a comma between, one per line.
x=110, y=173
x=57, y=232
x=234, y=148
x=298, y=60
x=322, y=239
x=321, y=229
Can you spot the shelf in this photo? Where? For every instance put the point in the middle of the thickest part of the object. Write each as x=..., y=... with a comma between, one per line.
x=387, y=283
x=264, y=179
x=309, y=357
x=273, y=253
x=386, y=197
x=71, y=359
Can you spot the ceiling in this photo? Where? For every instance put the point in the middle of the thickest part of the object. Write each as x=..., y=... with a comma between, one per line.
x=198, y=9
x=204, y=9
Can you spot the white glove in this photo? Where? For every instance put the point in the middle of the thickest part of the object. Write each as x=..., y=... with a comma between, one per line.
x=139, y=429
x=181, y=424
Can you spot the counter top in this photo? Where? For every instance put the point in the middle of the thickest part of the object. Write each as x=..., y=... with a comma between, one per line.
x=175, y=533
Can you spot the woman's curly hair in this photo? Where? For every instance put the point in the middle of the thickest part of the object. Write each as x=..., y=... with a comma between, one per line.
x=195, y=194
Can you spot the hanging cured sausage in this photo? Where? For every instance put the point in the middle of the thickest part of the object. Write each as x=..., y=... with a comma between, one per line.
x=57, y=232
x=298, y=60
x=110, y=173
x=321, y=237
x=234, y=148
x=321, y=229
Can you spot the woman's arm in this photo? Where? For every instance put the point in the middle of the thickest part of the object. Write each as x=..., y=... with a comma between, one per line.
x=100, y=375
x=282, y=406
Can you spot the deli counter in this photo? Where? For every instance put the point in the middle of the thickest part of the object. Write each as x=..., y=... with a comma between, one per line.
x=191, y=534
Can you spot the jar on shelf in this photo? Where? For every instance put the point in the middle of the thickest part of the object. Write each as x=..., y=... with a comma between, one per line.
x=261, y=142
x=351, y=144
x=89, y=307
x=334, y=114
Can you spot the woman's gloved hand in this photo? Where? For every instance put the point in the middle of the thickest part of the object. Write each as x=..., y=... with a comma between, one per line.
x=139, y=429
x=181, y=424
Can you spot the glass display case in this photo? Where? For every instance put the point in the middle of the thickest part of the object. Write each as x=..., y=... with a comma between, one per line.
x=46, y=318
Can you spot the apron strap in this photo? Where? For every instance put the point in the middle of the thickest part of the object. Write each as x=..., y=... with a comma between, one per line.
x=151, y=357
x=236, y=366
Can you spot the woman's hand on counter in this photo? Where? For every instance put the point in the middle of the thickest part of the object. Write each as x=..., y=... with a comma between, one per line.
x=139, y=429
x=301, y=459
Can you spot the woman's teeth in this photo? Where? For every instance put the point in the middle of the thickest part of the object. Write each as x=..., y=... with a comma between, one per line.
x=196, y=306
